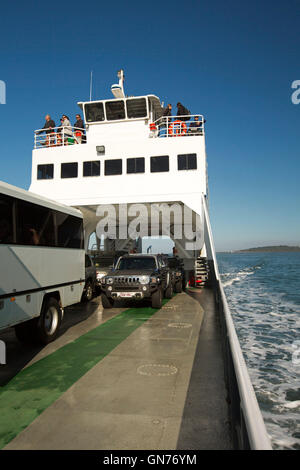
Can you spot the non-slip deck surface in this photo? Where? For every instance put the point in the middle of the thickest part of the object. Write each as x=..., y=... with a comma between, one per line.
x=139, y=380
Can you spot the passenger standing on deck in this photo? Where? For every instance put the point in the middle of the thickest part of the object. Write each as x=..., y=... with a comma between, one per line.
x=79, y=133
x=48, y=128
x=66, y=129
x=168, y=110
x=182, y=111
x=166, y=118
x=59, y=133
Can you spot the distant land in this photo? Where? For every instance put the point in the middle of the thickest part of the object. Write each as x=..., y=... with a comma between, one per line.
x=273, y=249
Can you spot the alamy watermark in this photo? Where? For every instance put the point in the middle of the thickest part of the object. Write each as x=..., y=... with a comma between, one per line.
x=295, y=97
x=140, y=220
x=2, y=353
x=2, y=92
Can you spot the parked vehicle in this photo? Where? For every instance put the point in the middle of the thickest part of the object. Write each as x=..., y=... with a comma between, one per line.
x=178, y=274
x=90, y=280
x=137, y=276
x=103, y=264
x=42, y=259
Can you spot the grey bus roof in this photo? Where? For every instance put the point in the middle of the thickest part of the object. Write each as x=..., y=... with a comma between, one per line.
x=28, y=196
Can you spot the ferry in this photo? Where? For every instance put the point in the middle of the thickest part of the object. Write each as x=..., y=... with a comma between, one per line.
x=172, y=378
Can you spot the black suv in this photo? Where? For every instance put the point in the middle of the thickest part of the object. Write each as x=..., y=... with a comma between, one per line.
x=138, y=277
x=178, y=274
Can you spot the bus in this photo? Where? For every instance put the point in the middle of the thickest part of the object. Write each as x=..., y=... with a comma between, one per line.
x=42, y=263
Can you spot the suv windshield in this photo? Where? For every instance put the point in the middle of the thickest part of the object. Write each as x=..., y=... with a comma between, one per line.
x=136, y=263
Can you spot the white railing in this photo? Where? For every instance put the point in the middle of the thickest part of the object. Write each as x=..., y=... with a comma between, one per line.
x=178, y=126
x=58, y=136
x=248, y=427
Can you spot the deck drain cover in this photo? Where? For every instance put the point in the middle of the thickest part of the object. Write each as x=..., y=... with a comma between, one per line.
x=180, y=325
x=157, y=370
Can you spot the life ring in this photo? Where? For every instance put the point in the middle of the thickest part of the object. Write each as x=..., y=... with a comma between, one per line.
x=177, y=128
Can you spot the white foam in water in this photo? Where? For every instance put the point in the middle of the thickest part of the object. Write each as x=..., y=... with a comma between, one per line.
x=266, y=313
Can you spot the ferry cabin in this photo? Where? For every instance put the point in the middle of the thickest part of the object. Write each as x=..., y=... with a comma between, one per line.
x=130, y=154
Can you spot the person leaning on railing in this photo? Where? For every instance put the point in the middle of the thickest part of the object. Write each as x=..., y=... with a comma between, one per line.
x=196, y=126
x=67, y=130
x=79, y=129
x=49, y=129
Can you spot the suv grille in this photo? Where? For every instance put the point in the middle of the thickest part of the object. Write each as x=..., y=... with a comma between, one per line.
x=126, y=281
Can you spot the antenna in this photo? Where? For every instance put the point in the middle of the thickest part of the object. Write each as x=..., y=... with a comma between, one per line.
x=91, y=85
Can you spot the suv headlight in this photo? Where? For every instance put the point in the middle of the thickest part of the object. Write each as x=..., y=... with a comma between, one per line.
x=99, y=275
x=109, y=280
x=144, y=279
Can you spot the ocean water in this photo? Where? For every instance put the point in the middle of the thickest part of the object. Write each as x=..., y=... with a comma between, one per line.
x=263, y=293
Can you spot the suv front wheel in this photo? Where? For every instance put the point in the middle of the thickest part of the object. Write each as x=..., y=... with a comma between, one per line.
x=156, y=299
x=106, y=301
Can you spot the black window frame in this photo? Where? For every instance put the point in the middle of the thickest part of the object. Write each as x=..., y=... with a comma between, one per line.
x=88, y=110
x=154, y=162
x=90, y=167
x=43, y=169
x=66, y=165
x=130, y=111
x=187, y=161
x=132, y=165
x=109, y=111
x=109, y=162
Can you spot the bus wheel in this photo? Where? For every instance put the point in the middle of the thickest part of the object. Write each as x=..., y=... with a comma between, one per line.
x=49, y=321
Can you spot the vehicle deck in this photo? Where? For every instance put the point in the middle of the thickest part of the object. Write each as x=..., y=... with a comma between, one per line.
x=130, y=377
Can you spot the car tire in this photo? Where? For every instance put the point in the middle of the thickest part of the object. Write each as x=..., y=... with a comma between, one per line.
x=88, y=292
x=106, y=301
x=169, y=291
x=156, y=299
x=178, y=287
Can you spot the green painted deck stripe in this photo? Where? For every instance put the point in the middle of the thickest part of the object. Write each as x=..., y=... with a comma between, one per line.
x=35, y=388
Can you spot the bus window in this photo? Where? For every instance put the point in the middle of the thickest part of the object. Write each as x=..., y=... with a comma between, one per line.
x=35, y=225
x=69, y=231
x=6, y=219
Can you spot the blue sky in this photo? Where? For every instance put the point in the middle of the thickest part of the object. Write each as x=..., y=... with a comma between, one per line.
x=232, y=61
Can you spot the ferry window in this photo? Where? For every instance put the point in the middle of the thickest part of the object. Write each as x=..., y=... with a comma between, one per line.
x=69, y=170
x=115, y=110
x=159, y=164
x=35, y=225
x=6, y=219
x=69, y=231
x=136, y=108
x=91, y=168
x=94, y=112
x=187, y=161
x=45, y=172
x=113, y=167
x=135, y=165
